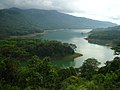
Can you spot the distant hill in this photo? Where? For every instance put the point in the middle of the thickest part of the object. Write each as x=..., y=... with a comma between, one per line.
x=15, y=21
x=107, y=29
x=109, y=35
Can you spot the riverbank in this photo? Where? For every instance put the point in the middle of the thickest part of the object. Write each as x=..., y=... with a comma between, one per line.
x=73, y=56
x=30, y=35
x=69, y=57
x=36, y=34
x=99, y=41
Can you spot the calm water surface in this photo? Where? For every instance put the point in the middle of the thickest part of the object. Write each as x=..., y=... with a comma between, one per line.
x=76, y=36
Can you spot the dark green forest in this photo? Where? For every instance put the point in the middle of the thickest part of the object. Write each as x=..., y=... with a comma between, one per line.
x=24, y=48
x=14, y=23
x=38, y=73
x=110, y=35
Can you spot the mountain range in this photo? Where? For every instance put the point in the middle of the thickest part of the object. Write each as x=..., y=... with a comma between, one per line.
x=15, y=21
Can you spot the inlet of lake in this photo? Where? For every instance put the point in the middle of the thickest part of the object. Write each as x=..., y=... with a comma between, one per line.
x=76, y=36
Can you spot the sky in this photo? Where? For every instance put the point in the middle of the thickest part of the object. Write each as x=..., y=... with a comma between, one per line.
x=104, y=10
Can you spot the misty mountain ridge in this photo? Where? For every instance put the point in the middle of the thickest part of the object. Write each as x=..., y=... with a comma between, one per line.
x=54, y=19
x=17, y=20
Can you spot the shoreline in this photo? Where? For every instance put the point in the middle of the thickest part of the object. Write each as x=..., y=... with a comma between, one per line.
x=99, y=41
x=35, y=34
x=68, y=57
x=30, y=35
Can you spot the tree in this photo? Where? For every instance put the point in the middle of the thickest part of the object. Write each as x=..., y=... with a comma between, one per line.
x=89, y=67
x=41, y=73
x=117, y=49
x=110, y=66
x=9, y=70
x=73, y=46
x=70, y=83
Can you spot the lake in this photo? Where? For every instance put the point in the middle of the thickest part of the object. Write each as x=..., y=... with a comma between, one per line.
x=76, y=36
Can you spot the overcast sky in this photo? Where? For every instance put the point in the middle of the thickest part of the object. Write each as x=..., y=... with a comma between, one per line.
x=105, y=10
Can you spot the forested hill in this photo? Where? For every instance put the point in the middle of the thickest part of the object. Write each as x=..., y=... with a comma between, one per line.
x=111, y=34
x=15, y=21
x=107, y=29
x=24, y=66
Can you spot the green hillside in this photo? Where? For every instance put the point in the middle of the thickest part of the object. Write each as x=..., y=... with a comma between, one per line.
x=109, y=35
x=16, y=21
x=24, y=66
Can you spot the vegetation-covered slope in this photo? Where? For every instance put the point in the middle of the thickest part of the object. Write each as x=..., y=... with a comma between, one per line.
x=12, y=22
x=16, y=21
x=40, y=74
x=25, y=63
x=24, y=48
x=109, y=35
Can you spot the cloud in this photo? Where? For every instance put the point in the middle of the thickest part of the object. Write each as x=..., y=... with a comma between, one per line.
x=95, y=9
x=66, y=6
x=115, y=18
x=45, y=4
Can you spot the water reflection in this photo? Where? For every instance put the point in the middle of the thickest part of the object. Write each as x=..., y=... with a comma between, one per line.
x=76, y=36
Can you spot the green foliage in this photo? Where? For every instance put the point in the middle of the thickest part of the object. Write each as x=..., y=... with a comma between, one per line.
x=89, y=67
x=110, y=35
x=106, y=35
x=22, y=49
x=8, y=70
x=70, y=83
x=110, y=66
x=117, y=49
x=16, y=22
x=40, y=74
x=8, y=87
x=111, y=72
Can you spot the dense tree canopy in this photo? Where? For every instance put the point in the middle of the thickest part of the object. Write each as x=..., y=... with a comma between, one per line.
x=40, y=74
x=117, y=49
x=110, y=35
x=89, y=67
x=23, y=48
